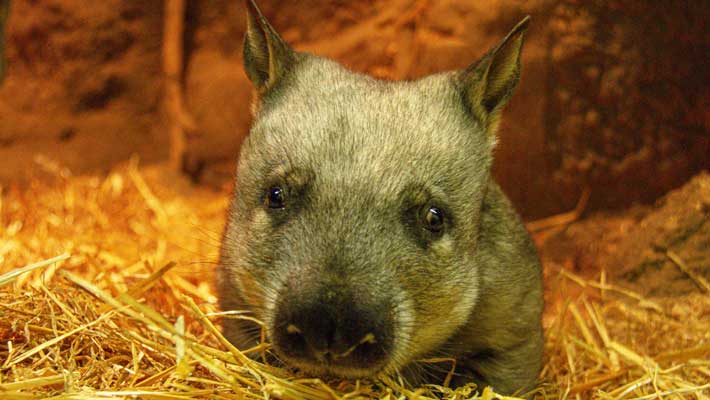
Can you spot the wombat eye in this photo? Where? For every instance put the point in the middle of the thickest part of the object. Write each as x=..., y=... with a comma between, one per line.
x=275, y=197
x=433, y=219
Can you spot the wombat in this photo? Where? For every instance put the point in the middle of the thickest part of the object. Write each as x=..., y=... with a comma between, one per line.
x=365, y=230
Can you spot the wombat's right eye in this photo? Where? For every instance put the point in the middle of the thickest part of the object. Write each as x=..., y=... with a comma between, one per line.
x=433, y=219
x=275, y=197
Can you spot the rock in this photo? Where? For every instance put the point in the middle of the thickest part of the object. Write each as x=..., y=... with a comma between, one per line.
x=636, y=247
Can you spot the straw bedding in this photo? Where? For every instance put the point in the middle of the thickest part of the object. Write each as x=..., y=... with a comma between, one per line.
x=116, y=301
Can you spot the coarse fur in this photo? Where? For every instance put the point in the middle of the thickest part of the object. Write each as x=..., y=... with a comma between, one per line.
x=358, y=159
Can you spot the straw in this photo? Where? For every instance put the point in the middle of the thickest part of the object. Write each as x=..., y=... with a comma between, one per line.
x=133, y=314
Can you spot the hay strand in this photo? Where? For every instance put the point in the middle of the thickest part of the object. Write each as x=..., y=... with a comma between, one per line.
x=110, y=323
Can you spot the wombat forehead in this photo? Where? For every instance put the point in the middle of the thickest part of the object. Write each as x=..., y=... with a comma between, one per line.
x=346, y=113
x=319, y=87
x=358, y=144
x=359, y=128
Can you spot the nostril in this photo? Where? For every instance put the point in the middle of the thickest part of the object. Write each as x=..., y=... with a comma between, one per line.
x=369, y=338
x=360, y=346
x=292, y=338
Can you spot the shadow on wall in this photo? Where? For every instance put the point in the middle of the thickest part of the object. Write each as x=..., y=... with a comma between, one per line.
x=610, y=98
x=626, y=95
x=4, y=12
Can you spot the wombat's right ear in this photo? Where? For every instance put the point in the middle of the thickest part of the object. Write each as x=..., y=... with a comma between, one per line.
x=267, y=57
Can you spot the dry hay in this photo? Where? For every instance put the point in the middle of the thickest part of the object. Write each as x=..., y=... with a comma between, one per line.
x=131, y=312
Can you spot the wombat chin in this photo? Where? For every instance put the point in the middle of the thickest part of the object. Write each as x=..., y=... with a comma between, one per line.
x=329, y=369
x=333, y=370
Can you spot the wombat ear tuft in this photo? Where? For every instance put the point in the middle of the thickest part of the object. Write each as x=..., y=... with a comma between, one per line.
x=267, y=57
x=488, y=84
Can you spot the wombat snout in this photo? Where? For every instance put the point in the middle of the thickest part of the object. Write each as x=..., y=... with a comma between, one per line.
x=330, y=326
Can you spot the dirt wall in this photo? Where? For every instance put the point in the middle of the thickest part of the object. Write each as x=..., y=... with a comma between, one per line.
x=82, y=84
x=613, y=95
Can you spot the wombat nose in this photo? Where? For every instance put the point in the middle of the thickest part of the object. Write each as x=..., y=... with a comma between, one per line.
x=335, y=332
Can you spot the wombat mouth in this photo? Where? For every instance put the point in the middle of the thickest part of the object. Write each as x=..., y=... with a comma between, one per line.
x=329, y=368
x=365, y=358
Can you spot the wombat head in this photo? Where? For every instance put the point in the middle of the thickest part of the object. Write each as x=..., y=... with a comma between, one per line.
x=353, y=228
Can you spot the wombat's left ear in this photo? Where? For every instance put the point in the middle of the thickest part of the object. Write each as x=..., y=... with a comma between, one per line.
x=488, y=84
x=267, y=57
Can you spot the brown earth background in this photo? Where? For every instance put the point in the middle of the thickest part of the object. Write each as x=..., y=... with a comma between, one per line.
x=613, y=97
x=614, y=101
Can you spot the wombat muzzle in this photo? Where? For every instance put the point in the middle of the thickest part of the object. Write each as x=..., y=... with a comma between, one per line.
x=331, y=326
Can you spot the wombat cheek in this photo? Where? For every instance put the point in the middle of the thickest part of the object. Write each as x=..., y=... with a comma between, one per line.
x=259, y=220
x=252, y=292
x=444, y=247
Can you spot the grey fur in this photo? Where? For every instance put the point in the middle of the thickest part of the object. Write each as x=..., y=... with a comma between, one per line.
x=358, y=158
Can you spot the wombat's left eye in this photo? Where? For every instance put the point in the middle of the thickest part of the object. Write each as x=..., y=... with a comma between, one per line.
x=433, y=219
x=275, y=197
